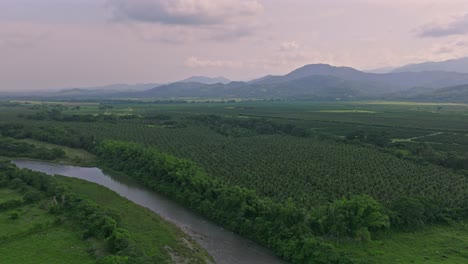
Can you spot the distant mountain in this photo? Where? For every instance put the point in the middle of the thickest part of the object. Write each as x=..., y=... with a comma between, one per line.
x=177, y=89
x=311, y=70
x=312, y=82
x=115, y=87
x=381, y=70
x=388, y=82
x=455, y=65
x=206, y=80
x=258, y=80
x=316, y=87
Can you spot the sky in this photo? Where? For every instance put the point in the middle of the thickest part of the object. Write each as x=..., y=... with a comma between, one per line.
x=52, y=44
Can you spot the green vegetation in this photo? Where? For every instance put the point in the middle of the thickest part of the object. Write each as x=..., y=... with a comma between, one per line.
x=72, y=155
x=348, y=111
x=301, y=178
x=8, y=194
x=54, y=222
x=438, y=244
x=12, y=148
x=49, y=245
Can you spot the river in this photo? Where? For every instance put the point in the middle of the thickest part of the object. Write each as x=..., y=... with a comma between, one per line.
x=225, y=246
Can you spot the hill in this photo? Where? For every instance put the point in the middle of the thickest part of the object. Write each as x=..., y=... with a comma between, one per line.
x=455, y=65
x=386, y=82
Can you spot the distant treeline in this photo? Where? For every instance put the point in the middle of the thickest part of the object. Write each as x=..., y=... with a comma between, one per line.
x=237, y=127
x=55, y=113
x=52, y=134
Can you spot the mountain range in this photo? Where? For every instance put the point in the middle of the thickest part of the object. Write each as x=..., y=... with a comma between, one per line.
x=310, y=82
x=315, y=81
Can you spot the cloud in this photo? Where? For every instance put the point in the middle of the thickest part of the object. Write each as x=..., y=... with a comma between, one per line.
x=185, y=21
x=290, y=54
x=457, y=26
x=288, y=46
x=184, y=12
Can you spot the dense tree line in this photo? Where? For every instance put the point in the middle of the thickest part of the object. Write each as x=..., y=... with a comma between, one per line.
x=56, y=114
x=238, y=127
x=13, y=148
x=418, y=152
x=52, y=134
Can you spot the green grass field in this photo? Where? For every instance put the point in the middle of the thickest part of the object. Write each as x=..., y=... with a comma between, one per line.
x=438, y=244
x=8, y=194
x=51, y=246
x=33, y=238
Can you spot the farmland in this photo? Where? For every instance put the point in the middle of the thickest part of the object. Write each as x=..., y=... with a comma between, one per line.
x=306, y=153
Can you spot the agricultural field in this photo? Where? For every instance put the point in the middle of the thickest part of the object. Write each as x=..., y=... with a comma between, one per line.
x=283, y=166
x=308, y=153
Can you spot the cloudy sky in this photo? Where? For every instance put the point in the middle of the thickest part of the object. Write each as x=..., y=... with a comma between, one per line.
x=71, y=43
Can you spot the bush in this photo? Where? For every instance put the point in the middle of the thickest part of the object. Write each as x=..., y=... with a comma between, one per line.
x=32, y=196
x=356, y=217
x=113, y=260
x=119, y=240
x=14, y=215
x=412, y=213
x=10, y=204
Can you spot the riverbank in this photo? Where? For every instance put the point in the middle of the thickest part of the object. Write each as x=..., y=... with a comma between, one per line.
x=73, y=156
x=225, y=246
x=32, y=224
x=153, y=234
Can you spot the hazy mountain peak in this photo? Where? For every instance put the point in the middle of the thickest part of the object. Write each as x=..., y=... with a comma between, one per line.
x=453, y=65
x=320, y=69
x=207, y=80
